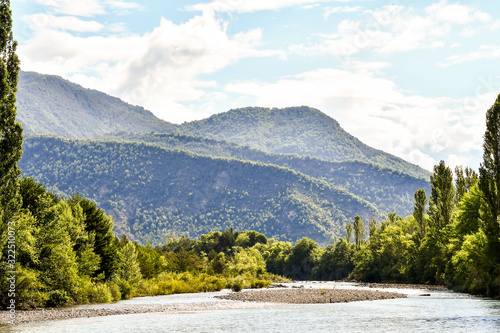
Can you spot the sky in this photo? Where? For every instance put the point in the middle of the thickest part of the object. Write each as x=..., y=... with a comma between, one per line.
x=412, y=78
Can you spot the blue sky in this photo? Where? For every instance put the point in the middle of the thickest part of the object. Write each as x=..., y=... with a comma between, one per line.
x=413, y=78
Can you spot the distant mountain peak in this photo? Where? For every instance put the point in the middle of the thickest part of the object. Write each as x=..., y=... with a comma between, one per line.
x=49, y=104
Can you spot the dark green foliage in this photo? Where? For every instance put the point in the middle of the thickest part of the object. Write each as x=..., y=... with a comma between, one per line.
x=49, y=104
x=10, y=130
x=419, y=211
x=101, y=226
x=387, y=189
x=464, y=181
x=348, y=232
x=442, y=200
x=154, y=192
x=336, y=263
x=237, y=286
x=359, y=231
x=58, y=298
x=302, y=259
x=295, y=130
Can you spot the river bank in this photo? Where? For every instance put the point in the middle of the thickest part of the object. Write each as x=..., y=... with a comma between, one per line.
x=261, y=298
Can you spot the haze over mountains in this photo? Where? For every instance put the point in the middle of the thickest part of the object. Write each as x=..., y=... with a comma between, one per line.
x=288, y=173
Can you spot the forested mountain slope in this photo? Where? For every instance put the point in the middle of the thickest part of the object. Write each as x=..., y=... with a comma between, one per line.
x=52, y=105
x=296, y=130
x=153, y=192
x=387, y=189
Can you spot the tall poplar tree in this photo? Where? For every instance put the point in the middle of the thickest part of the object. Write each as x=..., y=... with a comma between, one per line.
x=489, y=177
x=10, y=130
x=489, y=171
x=442, y=200
x=359, y=231
x=419, y=211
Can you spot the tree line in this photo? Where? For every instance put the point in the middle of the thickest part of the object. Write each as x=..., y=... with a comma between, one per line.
x=63, y=251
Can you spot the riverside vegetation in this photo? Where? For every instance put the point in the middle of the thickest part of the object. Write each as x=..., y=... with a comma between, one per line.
x=66, y=252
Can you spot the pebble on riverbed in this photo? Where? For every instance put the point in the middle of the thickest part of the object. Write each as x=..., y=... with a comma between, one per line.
x=311, y=296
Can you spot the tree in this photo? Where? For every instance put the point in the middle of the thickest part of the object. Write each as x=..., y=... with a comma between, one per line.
x=97, y=223
x=372, y=226
x=441, y=203
x=419, y=211
x=359, y=231
x=11, y=132
x=489, y=171
x=465, y=179
x=348, y=232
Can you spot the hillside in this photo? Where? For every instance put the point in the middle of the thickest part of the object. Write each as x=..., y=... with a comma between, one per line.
x=49, y=104
x=387, y=189
x=153, y=192
x=296, y=130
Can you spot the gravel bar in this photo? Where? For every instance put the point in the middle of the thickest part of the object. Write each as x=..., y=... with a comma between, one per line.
x=311, y=296
x=29, y=316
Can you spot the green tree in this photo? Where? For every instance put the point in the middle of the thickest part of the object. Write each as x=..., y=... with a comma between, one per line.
x=359, y=231
x=96, y=222
x=11, y=132
x=442, y=200
x=464, y=180
x=303, y=258
x=419, y=212
x=128, y=269
x=489, y=171
x=372, y=226
x=348, y=232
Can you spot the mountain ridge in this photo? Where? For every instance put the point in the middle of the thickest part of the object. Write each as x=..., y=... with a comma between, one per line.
x=154, y=192
x=49, y=104
x=302, y=130
x=360, y=178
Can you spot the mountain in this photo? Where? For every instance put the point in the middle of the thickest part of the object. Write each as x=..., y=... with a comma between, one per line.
x=281, y=158
x=52, y=105
x=153, y=192
x=387, y=189
x=296, y=130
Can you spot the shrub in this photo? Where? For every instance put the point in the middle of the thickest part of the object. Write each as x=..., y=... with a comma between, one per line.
x=237, y=286
x=99, y=293
x=58, y=298
x=126, y=290
x=114, y=290
x=259, y=283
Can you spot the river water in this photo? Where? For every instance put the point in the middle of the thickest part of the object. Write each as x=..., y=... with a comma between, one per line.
x=439, y=312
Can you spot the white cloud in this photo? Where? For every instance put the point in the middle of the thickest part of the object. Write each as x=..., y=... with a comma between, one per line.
x=484, y=52
x=87, y=8
x=341, y=9
x=394, y=28
x=65, y=23
x=245, y=6
x=124, y=5
x=419, y=129
x=456, y=13
x=160, y=70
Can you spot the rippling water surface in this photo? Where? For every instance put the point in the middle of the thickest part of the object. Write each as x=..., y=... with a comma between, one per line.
x=440, y=312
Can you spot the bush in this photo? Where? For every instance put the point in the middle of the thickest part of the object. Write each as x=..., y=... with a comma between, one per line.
x=114, y=290
x=259, y=283
x=126, y=290
x=99, y=293
x=58, y=298
x=237, y=286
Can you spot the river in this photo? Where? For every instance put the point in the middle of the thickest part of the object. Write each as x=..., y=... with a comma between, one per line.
x=440, y=312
